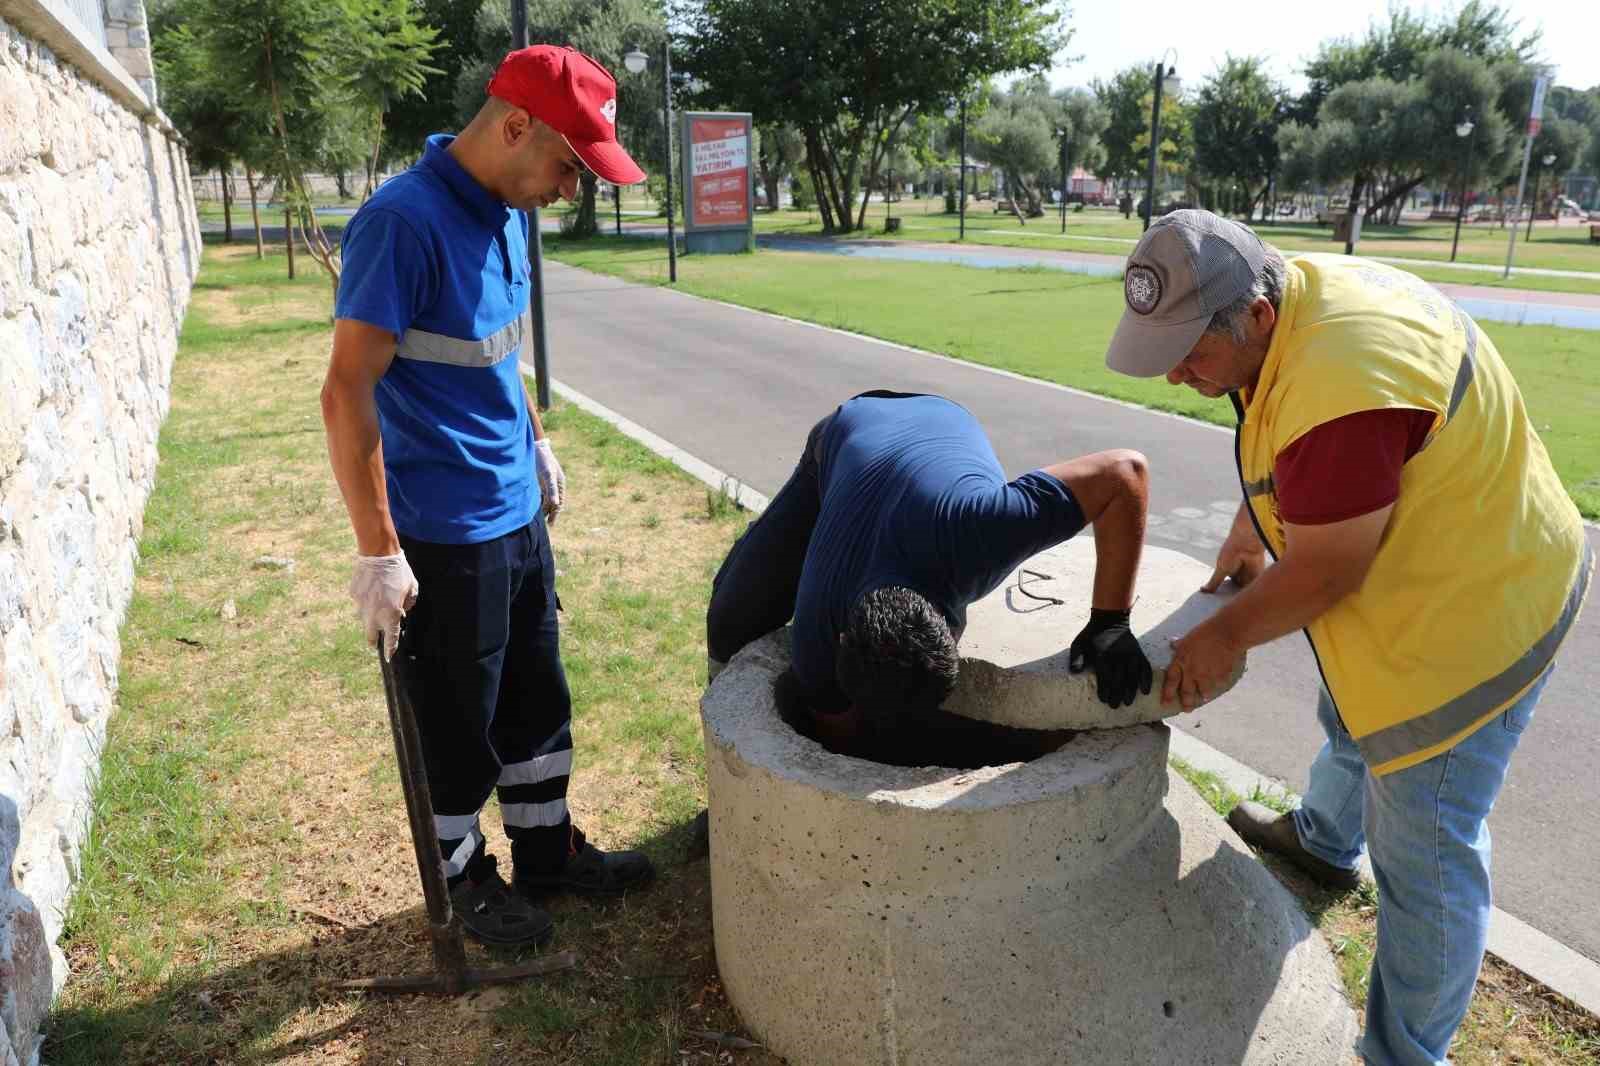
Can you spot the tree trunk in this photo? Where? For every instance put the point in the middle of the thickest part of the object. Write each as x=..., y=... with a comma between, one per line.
x=339, y=180
x=819, y=179
x=587, y=224
x=773, y=180
x=288, y=238
x=1396, y=194
x=227, y=205
x=1350, y=220
x=255, y=212
x=372, y=164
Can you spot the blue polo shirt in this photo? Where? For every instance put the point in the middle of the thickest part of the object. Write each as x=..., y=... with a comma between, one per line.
x=442, y=264
x=913, y=495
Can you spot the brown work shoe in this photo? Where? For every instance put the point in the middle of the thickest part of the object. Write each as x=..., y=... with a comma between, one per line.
x=1268, y=830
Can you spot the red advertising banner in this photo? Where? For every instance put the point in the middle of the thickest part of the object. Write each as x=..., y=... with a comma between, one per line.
x=719, y=161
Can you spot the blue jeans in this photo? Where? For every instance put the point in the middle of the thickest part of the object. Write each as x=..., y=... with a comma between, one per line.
x=1425, y=829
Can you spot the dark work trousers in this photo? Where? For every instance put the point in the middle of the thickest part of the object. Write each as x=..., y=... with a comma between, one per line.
x=755, y=588
x=480, y=657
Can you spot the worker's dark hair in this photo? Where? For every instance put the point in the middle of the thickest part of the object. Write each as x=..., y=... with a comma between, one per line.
x=897, y=658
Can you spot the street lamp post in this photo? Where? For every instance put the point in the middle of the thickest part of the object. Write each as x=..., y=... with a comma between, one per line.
x=888, y=188
x=1166, y=81
x=541, y=343
x=1548, y=160
x=636, y=62
x=1464, y=131
x=963, y=235
x=1062, y=133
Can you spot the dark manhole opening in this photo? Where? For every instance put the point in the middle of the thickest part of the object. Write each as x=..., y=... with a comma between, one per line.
x=937, y=739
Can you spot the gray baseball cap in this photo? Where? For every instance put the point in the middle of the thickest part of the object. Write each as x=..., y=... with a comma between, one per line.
x=1186, y=267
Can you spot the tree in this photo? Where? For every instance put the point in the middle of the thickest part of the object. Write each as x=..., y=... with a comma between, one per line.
x=1017, y=137
x=196, y=100
x=779, y=149
x=1080, y=121
x=1388, y=137
x=433, y=108
x=848, y=76
x=1566, y=140
x=1236, y=121
x=1399, y=49
x=1361, y=134
x=1176, y=152
x=387, y=62
x=1126, y=100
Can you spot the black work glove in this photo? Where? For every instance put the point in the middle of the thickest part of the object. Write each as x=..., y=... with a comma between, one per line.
x=1120, y=668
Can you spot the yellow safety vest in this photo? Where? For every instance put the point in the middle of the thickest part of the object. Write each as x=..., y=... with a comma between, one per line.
x=1484, y=565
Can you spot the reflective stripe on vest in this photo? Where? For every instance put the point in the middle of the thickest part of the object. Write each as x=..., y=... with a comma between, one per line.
x=1444, y=722
x=1468, y=368
x=427, y=347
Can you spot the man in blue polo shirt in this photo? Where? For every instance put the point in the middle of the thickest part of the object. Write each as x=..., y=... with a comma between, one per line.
x=450, y=481
x=897, y=517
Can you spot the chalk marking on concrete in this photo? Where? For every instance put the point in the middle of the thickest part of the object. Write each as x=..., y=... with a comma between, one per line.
x=1537, y=954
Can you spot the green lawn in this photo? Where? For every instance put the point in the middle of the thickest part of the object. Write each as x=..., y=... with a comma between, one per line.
x=1052, y=325
x=1106, y=232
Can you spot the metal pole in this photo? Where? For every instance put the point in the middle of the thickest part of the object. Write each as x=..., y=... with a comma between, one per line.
x=1533, y=204
x=666, y=113
x=1063, y=184
x=1534, y=113
x=541, y=350
x=1461, y=204
x=1155, y=145
x=963, y=168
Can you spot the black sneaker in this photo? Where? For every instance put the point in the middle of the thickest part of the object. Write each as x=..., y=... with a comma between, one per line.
x=589, y=871
x=1274, y=832
x=493, y=913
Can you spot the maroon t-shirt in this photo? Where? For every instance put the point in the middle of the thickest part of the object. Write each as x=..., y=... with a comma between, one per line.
x=1348, y=467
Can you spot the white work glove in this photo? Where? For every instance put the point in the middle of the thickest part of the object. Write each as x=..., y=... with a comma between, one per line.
x=384, y=590
x=552, y=480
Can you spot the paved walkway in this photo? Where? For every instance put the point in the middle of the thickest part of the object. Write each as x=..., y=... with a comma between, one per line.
x=740, y=389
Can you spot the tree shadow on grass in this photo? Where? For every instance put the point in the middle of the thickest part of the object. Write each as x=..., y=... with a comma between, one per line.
x=645, y=978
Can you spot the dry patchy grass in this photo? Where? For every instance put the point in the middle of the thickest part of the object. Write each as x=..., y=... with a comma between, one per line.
x=250, y=840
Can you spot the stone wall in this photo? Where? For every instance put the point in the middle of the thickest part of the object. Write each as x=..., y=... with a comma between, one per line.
x=98, y=248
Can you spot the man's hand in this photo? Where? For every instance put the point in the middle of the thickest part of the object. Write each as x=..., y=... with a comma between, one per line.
x=552, y=480
x=1242, y=556
x=384, y=590
x=1108, y=645
x=1202, y=662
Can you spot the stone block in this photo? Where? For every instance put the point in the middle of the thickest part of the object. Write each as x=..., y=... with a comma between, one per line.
x=25, y=974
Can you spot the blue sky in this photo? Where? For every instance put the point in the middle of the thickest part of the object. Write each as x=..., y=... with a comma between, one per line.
x=1112, y=35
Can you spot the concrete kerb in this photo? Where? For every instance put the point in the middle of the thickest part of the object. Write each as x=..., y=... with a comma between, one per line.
x=1535, y=953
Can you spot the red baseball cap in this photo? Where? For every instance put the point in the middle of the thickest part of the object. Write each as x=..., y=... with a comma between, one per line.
x=573, y=95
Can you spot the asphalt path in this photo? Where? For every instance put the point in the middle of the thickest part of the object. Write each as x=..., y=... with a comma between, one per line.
x=740, y=390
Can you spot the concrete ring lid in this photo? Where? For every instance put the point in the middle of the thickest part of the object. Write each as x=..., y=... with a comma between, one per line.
x=1111, y=780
